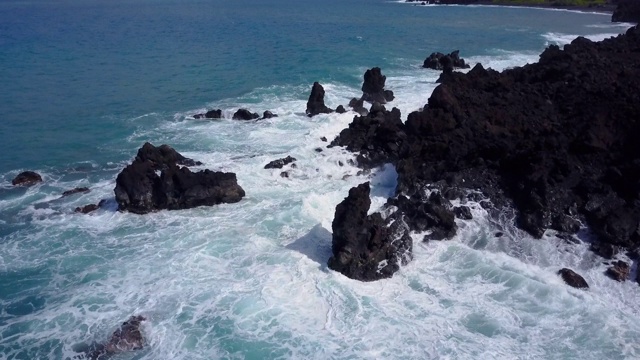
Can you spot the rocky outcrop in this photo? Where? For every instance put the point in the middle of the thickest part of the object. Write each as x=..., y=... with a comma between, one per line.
x=244, y=114
x=627, y=11
x=27, y=178
x=373, y=87
x=87, y=208
x=367, y=247
x=554, y=140
x=278, y=164
x=126, y=338
x=162, y=156
x=448, y=62
x=376, y=136
x=149, y=185
x=315, y=104
x=573, y=279
x=211, y=114
x=340, y=109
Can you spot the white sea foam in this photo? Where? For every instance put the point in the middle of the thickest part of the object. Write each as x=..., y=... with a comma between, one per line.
x=249, y=280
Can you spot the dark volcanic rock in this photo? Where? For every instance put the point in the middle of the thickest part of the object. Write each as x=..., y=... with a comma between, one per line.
x=427, y=214
x=627, y=11
x=244, y=114
x=373, y=87
x=126, y=338
x=573, y=279
x=358, y=106
x=315, y=104
x=377, y=136
x=162, y=156
x=211, y=114
x=75, y=191
x=555, y=140
x=365, y=247
x=440, y=61
x=140, y=189
x=27, y=178
x=278, y=164
x=268, y=115
x=340, y=109
x=463, y=212
x=619, y=271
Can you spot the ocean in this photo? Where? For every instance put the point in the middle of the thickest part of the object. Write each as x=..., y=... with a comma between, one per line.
x=86, y=83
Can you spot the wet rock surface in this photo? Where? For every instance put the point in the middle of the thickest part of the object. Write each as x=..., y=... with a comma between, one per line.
x=244, y=114
x=280, y=163
x=152, y=183
x=26, y=178
x=367, y=247
x=373, y=87
x=128, y=337
x=573, y=279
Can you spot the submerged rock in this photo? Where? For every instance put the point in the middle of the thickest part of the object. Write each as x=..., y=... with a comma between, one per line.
x=315, y=104
x=268, y=115
x=27, y=178
x=573, y=279
x=367, y=247
x=126, y=338
x=75, y=191
x=278, y=164
x=373, y=87
x=87, y=208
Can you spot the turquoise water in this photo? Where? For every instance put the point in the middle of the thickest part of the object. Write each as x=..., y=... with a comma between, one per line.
x=86, y=83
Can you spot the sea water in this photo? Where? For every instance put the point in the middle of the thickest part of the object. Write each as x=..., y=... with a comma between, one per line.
x=85, y=83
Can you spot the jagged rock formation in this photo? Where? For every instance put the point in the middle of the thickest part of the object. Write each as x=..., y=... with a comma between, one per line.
x=369, y=247
x=315, y=104
x=373, y=87
x=448, y=62
x=377, y=136
x=26, y=178
x=140, y=189
x=162, y=157
x=555, y=140
x=573, y=279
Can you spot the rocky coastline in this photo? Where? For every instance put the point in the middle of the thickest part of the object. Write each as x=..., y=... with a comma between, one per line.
x=553, y=140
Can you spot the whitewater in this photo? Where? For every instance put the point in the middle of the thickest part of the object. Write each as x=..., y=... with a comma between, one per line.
x=250, y=281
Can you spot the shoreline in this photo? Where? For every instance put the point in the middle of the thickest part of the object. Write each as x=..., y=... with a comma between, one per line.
x=603, y=9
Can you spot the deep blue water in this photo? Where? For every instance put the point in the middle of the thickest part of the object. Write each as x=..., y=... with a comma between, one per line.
x=83, y=84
